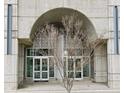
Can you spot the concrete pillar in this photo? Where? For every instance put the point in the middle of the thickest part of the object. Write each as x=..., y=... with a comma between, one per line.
x=20, y=65
x=100, y=64
x=11, y=60
x=113, y=66
x=11, y=67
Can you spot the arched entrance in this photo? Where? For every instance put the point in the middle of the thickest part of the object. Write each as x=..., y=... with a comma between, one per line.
x=40, y=67
x=55, y=15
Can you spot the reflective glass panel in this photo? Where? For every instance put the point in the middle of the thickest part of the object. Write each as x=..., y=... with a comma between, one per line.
x=41, y=52
x=37, y=75
x=44, y=74
x=37, y=65
x=71, y=74
x=51, y=67
x=70, y=64
x=64, y=66
x=78, y=65
x=30, y=52
x=44, y=64
x=29, y=66
x=86, y=70
x=78, y=74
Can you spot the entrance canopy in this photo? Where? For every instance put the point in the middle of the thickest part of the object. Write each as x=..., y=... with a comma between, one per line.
x=55, y=15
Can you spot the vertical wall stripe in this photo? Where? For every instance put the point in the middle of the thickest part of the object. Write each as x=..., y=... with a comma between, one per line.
x=9, y=29
x=116, y=43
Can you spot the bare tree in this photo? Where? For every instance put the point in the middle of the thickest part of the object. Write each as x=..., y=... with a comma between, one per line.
x=74, y=36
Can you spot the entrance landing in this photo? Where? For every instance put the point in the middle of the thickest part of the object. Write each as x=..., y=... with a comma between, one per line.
x=79, y=87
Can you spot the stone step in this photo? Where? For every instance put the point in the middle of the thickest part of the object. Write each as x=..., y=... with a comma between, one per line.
x=78, y=91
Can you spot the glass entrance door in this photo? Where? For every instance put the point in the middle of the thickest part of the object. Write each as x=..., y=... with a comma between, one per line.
x=40, y=68
x=36, y=69
x=78, y=69
x=44, y=68
x=74, y=67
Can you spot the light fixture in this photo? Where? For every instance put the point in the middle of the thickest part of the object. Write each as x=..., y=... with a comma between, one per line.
x=65, y=52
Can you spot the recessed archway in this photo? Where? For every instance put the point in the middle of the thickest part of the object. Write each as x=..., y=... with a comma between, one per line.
x=55, y=15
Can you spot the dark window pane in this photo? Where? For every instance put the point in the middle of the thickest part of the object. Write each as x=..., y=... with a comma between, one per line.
x=51, y=73
x=41, y=52
x=78, y=74
x=51, y=67
x=86, y=70
x=30, y=52
x=78, y=65
x=44, y=64
x=65, y=67
x=71, y=74
x=29, y=66
x=37, y=65
x=44, y=75
x=70, y=64
x=37, y=75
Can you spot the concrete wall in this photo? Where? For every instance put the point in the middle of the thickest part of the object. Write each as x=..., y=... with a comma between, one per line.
x=20, y=65
x=113, y=59
x=11, y=61
x=100, y=64
x=25, y=14
x=95, y=10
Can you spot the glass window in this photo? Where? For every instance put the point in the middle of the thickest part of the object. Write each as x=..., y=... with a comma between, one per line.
x=78, y=74
x=37, y=65
x=44, y=64
x=30, y=52
x=44, y=75
x=51, y=52
x=74, y=68
x=73, y=52
x=70, y=68
x=71, y=74
x=37, y=75
x=41, y=52
x=29, y=66
x=78, y=65
x=65, y=67
x=51, y=67
x=86, y=69
x=70, y=64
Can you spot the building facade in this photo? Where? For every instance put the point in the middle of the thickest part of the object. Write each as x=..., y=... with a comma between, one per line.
x=25, y=63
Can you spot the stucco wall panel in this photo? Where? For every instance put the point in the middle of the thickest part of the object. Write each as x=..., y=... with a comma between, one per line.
x=27, y=7
x=10, y=1
x=25, y=26
x=14, y=7
x=14, y=23
x=10, y=64
x=114, y=2
x=101, y=25
x=35, y=8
